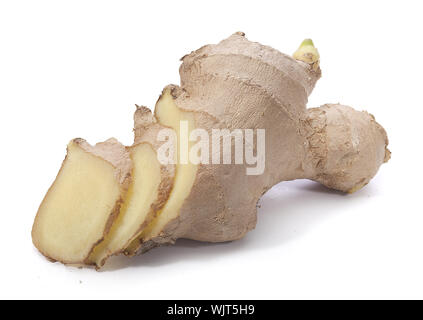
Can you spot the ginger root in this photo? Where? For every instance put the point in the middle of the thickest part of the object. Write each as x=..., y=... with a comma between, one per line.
x=236, y=84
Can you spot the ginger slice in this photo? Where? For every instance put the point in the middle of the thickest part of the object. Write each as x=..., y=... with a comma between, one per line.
x=140, y=204
x=81, y=205
x=169, y=115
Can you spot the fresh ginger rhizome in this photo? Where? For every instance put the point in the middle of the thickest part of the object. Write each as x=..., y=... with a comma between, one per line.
x=237, y=125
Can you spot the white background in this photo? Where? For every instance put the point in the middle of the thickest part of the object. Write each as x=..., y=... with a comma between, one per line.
x=76, y=68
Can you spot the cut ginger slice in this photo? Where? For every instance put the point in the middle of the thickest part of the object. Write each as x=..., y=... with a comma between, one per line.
x=144, y=195
x=169, y=115
x=84, y=200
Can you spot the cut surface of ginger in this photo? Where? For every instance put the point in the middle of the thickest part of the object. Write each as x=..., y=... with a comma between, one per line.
x=168, y=114
x=76, y=212
x=136, y=211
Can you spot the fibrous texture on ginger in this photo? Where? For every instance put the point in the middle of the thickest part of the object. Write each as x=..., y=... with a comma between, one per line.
x=236, y=84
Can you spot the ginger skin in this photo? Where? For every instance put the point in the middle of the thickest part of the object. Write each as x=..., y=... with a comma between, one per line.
x=260, y=87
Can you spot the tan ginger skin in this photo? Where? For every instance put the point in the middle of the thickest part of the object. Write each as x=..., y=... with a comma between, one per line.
x=239, y=84
x=334, y=144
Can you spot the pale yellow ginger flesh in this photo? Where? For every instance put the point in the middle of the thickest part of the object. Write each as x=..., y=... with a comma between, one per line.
x=168, y=114
x=74, y=214
x=137, y=208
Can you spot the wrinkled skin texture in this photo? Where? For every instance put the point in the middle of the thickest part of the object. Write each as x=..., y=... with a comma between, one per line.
x=239, y=84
